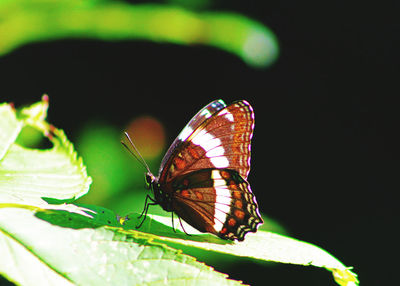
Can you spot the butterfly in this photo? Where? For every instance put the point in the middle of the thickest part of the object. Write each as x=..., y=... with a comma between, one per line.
x=203, y=176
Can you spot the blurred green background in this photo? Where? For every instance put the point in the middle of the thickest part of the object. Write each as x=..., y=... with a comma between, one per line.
x=320, y=76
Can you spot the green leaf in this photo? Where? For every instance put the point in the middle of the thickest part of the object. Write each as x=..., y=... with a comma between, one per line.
x=71, y=248
x=28, y=176
x=262, y=245
x=269, y=246
x=45, y=242
x=30, y=21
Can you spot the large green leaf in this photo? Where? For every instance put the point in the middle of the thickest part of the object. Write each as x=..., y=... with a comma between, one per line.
x=73, y=248
x=51, y=244
x=45, y=241
x=262, y=245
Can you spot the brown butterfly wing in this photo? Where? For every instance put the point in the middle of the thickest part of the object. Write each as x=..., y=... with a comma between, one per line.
x=204, y=173
x=222, y=140
x=217, y=201
x=197, y=120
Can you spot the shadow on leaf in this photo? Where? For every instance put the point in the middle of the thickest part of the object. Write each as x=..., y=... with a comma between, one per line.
x=90, y=216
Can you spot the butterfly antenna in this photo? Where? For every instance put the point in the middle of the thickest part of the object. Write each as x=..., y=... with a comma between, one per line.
x=134, y=151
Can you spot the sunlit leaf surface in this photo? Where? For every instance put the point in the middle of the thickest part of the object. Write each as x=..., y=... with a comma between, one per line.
x=46, y=240
x=32, y=175
x=67, y=249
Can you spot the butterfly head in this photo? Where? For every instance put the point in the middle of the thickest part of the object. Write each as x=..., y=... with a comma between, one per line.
x=149, y=179
x=161, y=197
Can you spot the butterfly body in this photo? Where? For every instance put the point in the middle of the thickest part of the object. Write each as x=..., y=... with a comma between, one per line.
x=203, y=176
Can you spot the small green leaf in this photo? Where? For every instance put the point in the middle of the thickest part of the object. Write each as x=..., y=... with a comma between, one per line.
x=28, y=176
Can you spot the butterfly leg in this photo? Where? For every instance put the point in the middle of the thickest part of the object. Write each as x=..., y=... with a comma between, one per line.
x=145, y=209
x=146, y=205
x=180, y=221
x=173, y=225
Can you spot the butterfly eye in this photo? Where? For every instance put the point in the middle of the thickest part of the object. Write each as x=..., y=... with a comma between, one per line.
x=149, y=178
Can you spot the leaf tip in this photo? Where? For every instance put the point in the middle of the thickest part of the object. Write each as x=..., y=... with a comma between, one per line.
x=345, y=277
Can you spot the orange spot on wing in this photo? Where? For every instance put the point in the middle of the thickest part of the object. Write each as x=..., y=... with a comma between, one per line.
x=239, y=214
x=179, y=163
x=233, y=185
x=231, y=222
x=193, y=152
x=237, y=194
x=238, y=204
x=185, y=193
x=225, y=175
x=199, y=195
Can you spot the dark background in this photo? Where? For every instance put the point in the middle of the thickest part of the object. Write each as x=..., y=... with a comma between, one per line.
x=324, y=162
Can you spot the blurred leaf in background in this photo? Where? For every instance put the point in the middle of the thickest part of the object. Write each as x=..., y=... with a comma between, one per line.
x=118, y=178
x=31, y=138
x=191, y=4
x=23, y=22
